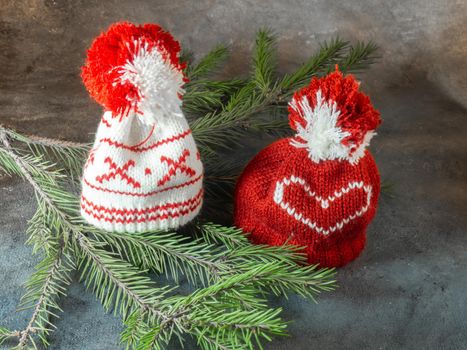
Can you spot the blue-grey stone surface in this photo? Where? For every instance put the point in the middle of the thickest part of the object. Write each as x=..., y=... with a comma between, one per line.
x=408, y=290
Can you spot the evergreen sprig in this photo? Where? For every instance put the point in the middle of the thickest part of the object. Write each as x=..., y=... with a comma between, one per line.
x=209, y=63
x=68, y=155
x=203, y=96
x=359, y=57
x=229, y=312
x=264, y=60
x=6, y=334
x=43, y=290
x=263, y=92
x=203, y=260
x=118, y=284
x=167, y=253
x=111, y=271
x=328, y=55
x=228, y=308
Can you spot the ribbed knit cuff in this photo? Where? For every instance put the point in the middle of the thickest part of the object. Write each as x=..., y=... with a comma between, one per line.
x=339, y=253
x=329, y=254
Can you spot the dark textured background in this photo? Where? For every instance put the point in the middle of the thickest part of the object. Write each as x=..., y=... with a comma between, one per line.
x=408, y=289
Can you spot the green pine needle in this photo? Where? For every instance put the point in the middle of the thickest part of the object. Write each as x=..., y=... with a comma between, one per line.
x=43, y=290
x=203, y=96
x=167, y=253
x=216, y=312
x=358, y=58
x=209, y=63
x=328, y=55
x=264, y=60
x=118, y=285
x=6, y=334
x=68, y=155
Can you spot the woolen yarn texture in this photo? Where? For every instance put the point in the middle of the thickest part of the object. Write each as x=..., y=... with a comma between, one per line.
x=144, y=172
x=318, y=189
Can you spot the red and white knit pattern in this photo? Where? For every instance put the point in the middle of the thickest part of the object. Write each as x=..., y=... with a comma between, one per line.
x=324, y=202
x=144, y=172
x=140, y=177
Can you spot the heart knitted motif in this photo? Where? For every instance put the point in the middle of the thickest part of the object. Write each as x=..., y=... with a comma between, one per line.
x=300, y=216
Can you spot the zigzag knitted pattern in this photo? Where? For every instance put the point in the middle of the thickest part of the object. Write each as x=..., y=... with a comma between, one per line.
x=134, y=188
x=320, y=188
x=144, y=171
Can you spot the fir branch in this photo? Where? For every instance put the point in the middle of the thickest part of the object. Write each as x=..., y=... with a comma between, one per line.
x=264, y=60
x=204, y=96
x=228, y=236
x=176, y=321
x=197, y=100
x=227, y=313
x=223, y=128
x=209, y=63
x=244, y=327
x=47, y=222
x=117, y=284
x=358, y=58
x=217, y=312
x=29, y=167
x=273, y=125
x=328, y=54
x=202, y=262
x=41, y=233
x=44, y=179
x=47, y=284
x=226, y=127
x=307, y=281
x=134, y=329
x=167, y=252
x=179, y=314
x=44, y=288
x=238, y=329
x=69, y=154
x=6, y=334
x=126, y=286
x=7, y=164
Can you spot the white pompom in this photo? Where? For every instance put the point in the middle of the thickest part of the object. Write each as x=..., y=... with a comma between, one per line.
x=160, y=85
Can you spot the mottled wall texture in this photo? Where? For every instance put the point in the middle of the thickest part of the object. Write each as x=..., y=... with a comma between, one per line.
x=43, y=42
x=407, y=290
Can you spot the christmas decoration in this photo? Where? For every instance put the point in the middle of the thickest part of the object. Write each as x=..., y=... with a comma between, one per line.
x=231, y=278
x=144, y=171
x=320, y=188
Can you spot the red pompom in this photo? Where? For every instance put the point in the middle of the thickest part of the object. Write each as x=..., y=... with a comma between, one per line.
x=112, y=50
x=356, y=116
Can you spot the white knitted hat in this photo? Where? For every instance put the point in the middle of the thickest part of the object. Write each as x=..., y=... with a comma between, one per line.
x=144, y=171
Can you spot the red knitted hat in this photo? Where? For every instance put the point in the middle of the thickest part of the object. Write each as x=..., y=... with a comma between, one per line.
x=320, y=188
